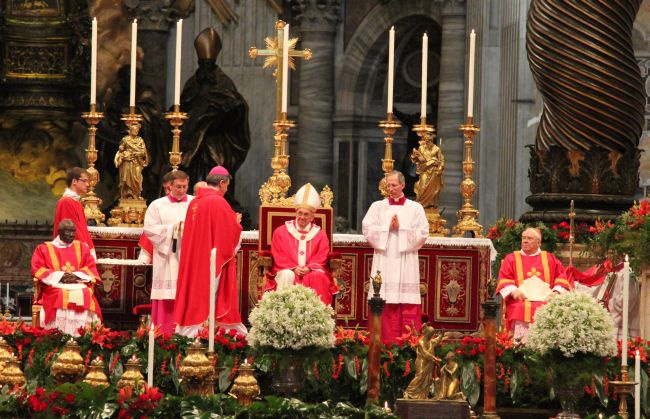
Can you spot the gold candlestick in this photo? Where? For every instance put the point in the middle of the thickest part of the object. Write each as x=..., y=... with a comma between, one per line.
x=389, y=126
x=176, y=118
x=427, y=133
x=274, y=190
x=91, y=201
x=624, y=388
x=467, y=214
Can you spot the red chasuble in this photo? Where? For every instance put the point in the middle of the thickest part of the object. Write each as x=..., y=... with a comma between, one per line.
x=70, y=208
x=48, y=259
x=292, y=248
x=516, y=268
x=210, y=222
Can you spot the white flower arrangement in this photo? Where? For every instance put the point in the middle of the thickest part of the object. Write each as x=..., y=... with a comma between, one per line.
x=292, y=318
x=572, y=324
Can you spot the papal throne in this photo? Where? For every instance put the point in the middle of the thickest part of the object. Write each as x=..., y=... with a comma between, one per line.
x=273, y=214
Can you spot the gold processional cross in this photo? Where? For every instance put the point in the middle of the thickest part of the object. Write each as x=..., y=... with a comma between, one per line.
x=273, y=54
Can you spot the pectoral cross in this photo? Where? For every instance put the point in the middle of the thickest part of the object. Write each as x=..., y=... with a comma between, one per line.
x=273, y=54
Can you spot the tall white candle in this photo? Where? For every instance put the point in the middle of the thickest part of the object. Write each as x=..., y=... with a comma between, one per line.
x=440, y=143
x=391, y=68
x=134, y=50
x=177, y=75
x=152, y=344
x=285, y=68
x=470, y=84
x=637, y=386
x=93, y=64
x=425, y=60
x=626, y=297
x=213, y=297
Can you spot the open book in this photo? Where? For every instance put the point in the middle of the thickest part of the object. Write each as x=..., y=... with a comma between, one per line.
x=535, y=289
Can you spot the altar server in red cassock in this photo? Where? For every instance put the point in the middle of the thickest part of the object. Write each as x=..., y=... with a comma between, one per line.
x=397, y=228
x=516, y=268
x=67, y=271
x=210, y=223
x=69, y=206
x=301, y=249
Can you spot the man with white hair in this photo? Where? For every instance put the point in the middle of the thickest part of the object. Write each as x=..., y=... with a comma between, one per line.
x=300, y=250
x=521, y=265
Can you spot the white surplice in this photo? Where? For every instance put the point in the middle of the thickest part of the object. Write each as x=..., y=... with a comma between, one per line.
x=161, y=221
x=396, y=251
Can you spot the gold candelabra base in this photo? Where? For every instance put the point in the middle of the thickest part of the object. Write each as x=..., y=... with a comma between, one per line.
x=624, y=388
x=176, y=119
x=274, y=190
x=436, y=222
x=467, y=215
x=91, y=201
x=389, y=126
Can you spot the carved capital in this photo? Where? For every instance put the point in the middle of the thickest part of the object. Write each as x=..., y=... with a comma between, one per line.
x=158, y=14
x=317, y=15
x=452, y=7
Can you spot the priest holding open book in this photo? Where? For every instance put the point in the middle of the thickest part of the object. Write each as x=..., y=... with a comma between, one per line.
x=527, y=279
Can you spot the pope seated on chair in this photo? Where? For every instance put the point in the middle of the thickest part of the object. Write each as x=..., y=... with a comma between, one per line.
x=66, y=273
x=300, y=250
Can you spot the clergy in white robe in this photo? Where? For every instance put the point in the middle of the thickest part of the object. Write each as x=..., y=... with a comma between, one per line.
x=163, y=226
x=397, y=228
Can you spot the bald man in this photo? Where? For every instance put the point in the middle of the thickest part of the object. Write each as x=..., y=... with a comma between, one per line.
x=518, y=267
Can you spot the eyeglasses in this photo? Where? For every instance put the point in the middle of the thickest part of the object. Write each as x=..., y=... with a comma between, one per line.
x=83, y=180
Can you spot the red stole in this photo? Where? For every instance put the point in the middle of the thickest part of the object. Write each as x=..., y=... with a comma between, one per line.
x=48, y=259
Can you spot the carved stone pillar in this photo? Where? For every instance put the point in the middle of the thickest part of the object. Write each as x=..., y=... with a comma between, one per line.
x=155, y=18
x=312, y=156
x=451, y=101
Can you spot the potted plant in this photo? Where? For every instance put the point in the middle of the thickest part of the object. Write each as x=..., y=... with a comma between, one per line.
x=286, y=327
x=572, y=335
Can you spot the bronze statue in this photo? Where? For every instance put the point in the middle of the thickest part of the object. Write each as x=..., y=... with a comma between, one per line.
x=131, y=158
x=425, y=362
x=216, y=132
x=430, y=165
x=447, y=386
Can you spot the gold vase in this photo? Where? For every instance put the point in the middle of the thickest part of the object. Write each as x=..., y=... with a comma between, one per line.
x=69, y=365
x=11, y=375
x=245, y=388
x=96, y=376
x=197, y=371
x=5, y=353
x=132, y=377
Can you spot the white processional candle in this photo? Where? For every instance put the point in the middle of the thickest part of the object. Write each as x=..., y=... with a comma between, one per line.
x=626, y=297
x=391, y=68
x=93, y=64
x=637, y=386
x=152, y=343
x=134, y=51
x=285, y=68
x=177, y=75
x=470, y=84
x=425, y=60
x=213, y=297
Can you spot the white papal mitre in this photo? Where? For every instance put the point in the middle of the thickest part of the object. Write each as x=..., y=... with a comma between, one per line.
x=307, y=197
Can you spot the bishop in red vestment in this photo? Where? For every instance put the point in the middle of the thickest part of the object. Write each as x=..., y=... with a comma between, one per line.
x=301, y=249
x=516, y=268
x=69, y=206
x=67, y=272
x=210, y=223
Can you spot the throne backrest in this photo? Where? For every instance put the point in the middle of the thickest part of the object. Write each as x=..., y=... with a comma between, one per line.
x=272, y=217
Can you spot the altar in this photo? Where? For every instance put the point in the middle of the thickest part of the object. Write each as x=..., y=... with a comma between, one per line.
x=453, y=272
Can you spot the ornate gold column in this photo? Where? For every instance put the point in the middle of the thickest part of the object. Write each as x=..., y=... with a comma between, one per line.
x=389, y=126
x=91, y=201
x=467, y=214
